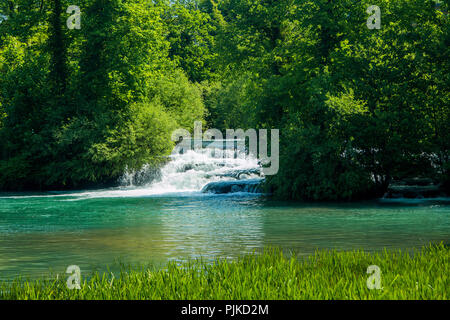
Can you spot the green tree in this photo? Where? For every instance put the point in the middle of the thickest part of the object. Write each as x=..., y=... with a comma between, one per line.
x=191, y=36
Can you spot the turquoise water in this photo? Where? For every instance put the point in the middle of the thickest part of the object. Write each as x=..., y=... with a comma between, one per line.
x=40, y=234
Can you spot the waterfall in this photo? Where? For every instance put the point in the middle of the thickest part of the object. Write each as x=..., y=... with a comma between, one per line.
x=194, y=170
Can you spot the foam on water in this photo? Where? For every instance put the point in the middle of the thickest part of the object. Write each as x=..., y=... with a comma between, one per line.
x=184, y=175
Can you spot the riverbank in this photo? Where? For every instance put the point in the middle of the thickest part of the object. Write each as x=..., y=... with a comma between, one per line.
x=422, y=274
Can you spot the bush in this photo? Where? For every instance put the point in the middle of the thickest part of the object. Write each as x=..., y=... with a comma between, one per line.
x=181, y=99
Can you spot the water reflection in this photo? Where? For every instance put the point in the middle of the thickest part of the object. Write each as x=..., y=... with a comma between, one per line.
x=40, y=234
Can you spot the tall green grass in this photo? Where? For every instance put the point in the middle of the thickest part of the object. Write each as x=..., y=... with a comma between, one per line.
x=422, y=274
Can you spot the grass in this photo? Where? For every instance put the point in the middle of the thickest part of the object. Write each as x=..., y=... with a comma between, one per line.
x=422, y=274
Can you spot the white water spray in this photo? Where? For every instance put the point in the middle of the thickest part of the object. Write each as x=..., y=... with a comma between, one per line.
x=185, y=174
x=193, y=170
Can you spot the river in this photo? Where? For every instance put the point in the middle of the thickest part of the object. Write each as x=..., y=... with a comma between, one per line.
x=169, y=218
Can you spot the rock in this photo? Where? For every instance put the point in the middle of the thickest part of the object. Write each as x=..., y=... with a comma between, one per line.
x=242, y=174
x=418, y=181
x=222, y=187
x=414, y=191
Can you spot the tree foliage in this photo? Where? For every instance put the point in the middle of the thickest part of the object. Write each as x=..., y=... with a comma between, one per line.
x=356, y=107
x=79, y=107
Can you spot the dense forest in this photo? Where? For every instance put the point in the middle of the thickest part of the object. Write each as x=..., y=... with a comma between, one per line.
x=356, y=106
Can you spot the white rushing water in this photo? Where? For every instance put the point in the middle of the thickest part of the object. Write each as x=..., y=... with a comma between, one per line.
x=191, y=171
x=184, y=174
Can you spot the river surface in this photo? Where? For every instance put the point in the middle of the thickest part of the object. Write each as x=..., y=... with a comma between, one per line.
x=170, y=219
